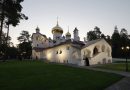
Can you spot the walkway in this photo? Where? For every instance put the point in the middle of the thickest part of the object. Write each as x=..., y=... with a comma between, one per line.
x=123, y=84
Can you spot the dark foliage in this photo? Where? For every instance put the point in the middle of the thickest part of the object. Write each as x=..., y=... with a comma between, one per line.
x=25, y=48
x=10, y=14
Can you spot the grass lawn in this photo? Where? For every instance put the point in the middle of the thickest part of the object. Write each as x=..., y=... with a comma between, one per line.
x=37, y=75
x=118, y=66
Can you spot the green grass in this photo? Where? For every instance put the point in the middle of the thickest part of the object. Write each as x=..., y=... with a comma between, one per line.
x=36, y=75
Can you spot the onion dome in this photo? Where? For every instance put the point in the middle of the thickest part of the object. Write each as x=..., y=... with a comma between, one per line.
x=57, y=29
x=68, y=34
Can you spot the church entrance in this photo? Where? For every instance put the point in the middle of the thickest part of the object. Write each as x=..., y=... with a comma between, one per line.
x=86, y=61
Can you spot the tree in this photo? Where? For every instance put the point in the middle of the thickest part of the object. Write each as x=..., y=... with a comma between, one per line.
x=14, y=20
x=94, y=34
x=97, y=32
x=24, y=36
x=108, y=39
x=12, y=52
x=124, y=37
x=25, y=48
x=103, y=36
x=5, y=48
x=4, y=38
x=116, y=43
x=10, y=13
x=91, y=35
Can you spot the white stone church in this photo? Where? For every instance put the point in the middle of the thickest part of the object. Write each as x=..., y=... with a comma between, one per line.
x=65, y=49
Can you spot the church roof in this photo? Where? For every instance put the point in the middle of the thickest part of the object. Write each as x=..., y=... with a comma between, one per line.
x=76, y=44
x=40, y=34
x=91, y=42
x=75, y=29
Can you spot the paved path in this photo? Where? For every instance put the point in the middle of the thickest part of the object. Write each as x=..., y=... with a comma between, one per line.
x=123, y=84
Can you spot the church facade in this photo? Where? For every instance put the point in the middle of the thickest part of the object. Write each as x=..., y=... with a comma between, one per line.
x=64, y=49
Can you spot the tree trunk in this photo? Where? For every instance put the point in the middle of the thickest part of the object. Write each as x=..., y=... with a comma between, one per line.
x=7, y=34
x=1, y=26
x=1, y=29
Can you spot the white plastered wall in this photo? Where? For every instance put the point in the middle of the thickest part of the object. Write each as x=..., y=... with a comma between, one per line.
x=103, y=56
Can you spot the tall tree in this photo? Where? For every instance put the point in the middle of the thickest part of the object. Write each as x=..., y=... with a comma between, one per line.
x=10, y=13
x=24, y=36
x=116, y=43
x=97, y=32
x=25, y=48
x=124, y=37
x=94, y=34
x=91, y=35
x=4, y=47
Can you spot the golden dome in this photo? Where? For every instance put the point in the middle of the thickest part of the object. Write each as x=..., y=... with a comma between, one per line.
x=57, y=29
x=68, y=34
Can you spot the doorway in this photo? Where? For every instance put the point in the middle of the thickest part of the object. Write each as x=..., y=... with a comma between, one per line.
x=86, y=61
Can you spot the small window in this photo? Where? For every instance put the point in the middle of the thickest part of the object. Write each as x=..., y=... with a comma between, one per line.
x=37, y=44
x=56, y=52
x=60, y=52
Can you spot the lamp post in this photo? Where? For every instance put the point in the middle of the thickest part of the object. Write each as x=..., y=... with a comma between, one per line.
x=125, y=49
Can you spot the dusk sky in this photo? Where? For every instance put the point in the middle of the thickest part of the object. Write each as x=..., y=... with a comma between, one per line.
x=83, y=14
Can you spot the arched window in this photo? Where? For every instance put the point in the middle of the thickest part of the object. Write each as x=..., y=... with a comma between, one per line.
x=95, y=51
x=56, y=52
x=109, y=61
x=60, y=52
x=104, y=61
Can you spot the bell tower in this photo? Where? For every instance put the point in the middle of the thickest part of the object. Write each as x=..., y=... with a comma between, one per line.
x=37, y=30
x=76, y=34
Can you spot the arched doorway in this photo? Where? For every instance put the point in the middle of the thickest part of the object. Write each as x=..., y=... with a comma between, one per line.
x=86, y=61
x=95, y=51
x=36, y=58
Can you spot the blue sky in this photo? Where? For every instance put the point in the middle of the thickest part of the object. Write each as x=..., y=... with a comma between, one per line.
x=83, y=14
